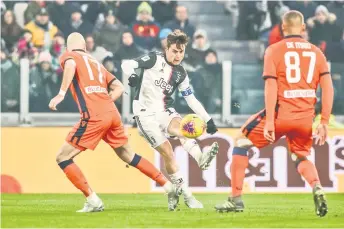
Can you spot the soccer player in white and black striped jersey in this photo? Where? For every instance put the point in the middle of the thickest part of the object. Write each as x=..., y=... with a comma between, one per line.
x=161, y=74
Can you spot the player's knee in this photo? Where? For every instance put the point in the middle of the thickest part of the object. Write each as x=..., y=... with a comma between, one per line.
x=297, y=159
x=60, y=157
x=125, y=153
x=242, y=141
x=66, y=152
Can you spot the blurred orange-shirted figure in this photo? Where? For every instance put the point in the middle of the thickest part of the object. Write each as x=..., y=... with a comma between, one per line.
x=94, y=90
x=293, y=69
x=89, y=88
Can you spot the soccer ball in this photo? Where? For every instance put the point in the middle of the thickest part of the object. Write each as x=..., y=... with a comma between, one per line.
x=192, y=126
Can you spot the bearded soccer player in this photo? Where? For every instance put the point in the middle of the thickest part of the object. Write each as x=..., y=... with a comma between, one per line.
x=89, y=83
x=293, y=69
x=161, y=74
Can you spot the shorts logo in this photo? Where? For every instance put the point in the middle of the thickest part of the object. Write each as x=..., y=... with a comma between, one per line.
x=164, y=85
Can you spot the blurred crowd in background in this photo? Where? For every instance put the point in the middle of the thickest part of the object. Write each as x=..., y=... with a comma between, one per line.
x=119, y=30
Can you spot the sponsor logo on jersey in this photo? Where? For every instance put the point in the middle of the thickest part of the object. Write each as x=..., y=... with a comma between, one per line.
x=95, y=89
x=303, y=93
x=164, y=85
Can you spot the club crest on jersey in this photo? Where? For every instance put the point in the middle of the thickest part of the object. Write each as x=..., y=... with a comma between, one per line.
x=164, y=85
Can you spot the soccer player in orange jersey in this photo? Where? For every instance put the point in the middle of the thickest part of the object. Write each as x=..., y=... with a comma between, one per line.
x=293, y=69
x=89, y=83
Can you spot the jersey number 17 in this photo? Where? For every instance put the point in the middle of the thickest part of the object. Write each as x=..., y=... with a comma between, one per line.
x=89, y=69
x=293, y=70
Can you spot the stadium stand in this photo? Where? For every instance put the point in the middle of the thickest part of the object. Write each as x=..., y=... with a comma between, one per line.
x=228, y=39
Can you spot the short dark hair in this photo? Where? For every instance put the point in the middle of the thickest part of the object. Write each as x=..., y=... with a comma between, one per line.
x=177, y=37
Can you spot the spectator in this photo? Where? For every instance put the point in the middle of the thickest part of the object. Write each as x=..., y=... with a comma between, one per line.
x=43, y=31
x=322, y=27
x=128, y=49
x=10, y=84
x=337, y=7
x=77, y=24
x=56, y=51
x=163, y=39
x=109, y=35
x=164, y=11
x=144, y=28
x=97, y=52
x=306, y=7
x=10, y=30
x=33, y=8
x=197, y=52
x=126, y=11
x=254, y=20
x=59, y=10
x=25, y=49
x=208, y=77
x=44, y=83
x=276, y=33
x=181, y=22
x=334, y=51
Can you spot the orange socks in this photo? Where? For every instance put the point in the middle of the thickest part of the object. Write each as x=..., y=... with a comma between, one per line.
x=238, y=167
x=307, y=169
x=148, y=169
x=75, y=175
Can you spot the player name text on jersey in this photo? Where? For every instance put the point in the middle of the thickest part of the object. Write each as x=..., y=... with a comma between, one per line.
x=289, y=94
x=298, y=45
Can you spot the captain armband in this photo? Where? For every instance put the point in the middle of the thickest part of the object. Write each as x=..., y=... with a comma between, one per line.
x=187, y=92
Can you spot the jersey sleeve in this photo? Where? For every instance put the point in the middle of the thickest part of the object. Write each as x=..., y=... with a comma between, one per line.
x=269, y=70
x=109, y=78
x=147, y=61
x=322, y=64
x=184, y=87
x=66, y=56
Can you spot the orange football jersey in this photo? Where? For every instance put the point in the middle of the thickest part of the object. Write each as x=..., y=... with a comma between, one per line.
x=297, y=66
x=90, y=84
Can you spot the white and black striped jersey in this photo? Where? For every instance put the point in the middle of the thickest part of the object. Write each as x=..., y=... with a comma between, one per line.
x=158, y=81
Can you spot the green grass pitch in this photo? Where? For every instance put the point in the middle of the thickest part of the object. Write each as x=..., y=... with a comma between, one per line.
x=150, y=210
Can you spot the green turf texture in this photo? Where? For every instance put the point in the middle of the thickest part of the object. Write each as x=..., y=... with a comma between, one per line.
x=150, y=210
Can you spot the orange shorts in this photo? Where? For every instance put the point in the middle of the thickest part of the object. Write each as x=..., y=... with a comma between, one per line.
x=87, y=133
x=298, y=132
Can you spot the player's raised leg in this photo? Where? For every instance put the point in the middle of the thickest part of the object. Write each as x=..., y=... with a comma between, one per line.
x=64, y=159
x=190, y=145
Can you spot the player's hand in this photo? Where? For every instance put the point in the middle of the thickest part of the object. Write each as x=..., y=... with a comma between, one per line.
x=133, y=80
x=321, y=134
x=269, y=132
x=211, y=127
x=55, y=101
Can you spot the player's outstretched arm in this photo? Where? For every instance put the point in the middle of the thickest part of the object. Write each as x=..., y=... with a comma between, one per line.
x=68, y=75
x=116, y=90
